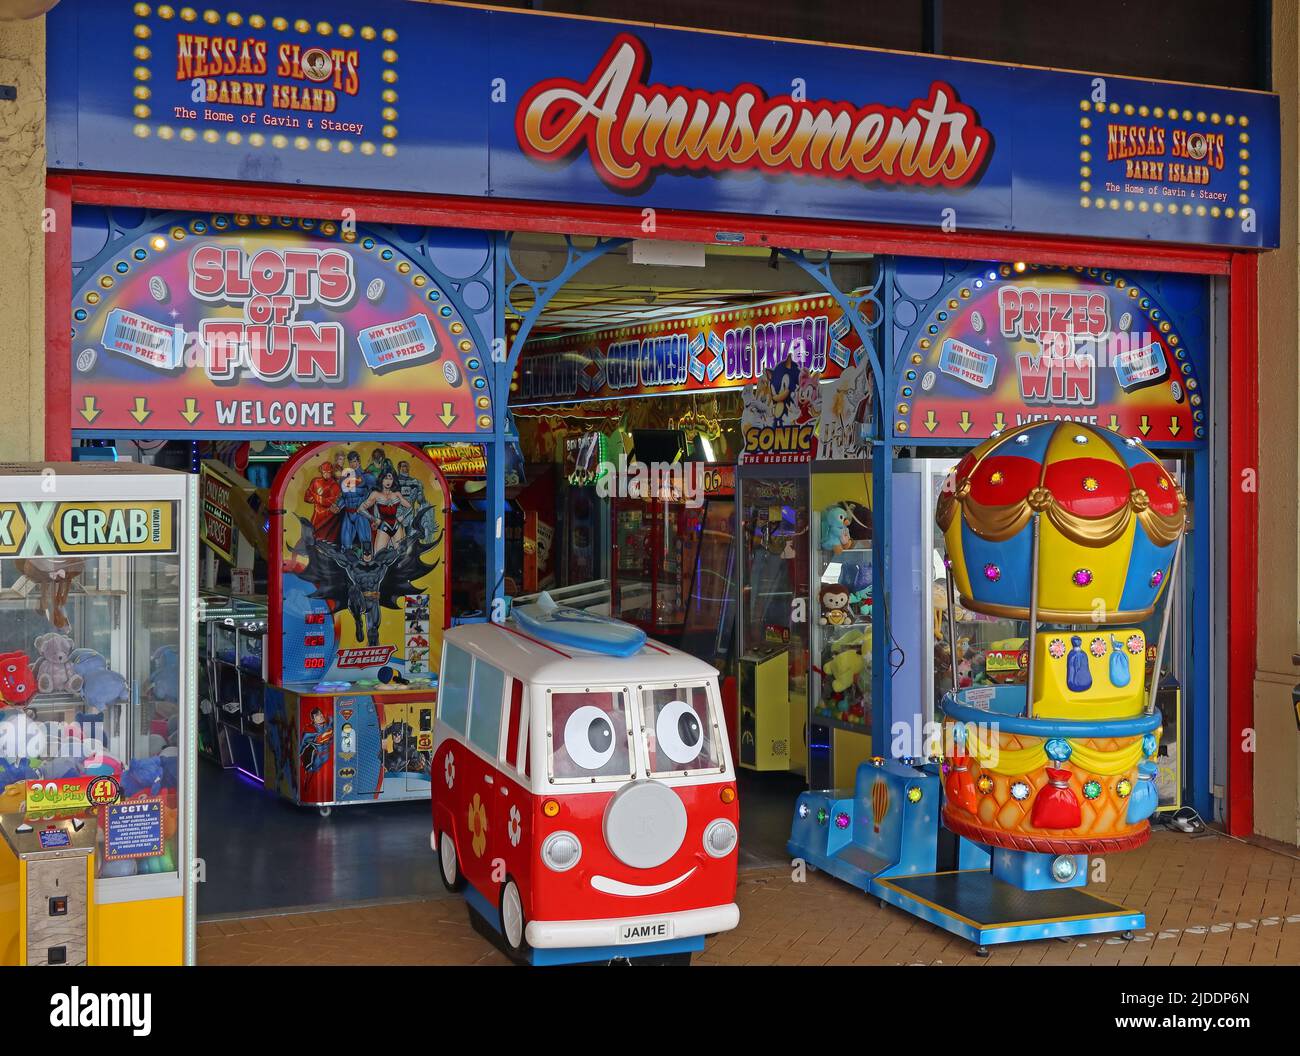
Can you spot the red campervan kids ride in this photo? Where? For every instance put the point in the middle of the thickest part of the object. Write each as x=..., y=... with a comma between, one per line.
x=586, y=802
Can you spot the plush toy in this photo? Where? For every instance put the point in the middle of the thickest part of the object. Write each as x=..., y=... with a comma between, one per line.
x=860, y=602
x=851, y=663
x=17, y=682
x=143, y=776
x=170, y=761
x=843, y=669
x=54, y=670
x=164, y=675
x=834, y=601
x=100, y=687
x=835, y=529
x=54, y=576
x=60, y=768
x=97, y=763
x=15, y=770
x=864, y=677
x=859, y=521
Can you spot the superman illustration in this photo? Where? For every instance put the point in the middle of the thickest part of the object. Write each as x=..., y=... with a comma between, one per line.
x=315, y=754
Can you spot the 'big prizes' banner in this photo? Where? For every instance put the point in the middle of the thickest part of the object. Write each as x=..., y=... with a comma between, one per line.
x=720, y=350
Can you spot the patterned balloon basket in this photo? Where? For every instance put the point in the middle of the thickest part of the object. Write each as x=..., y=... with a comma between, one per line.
x=1089, y=793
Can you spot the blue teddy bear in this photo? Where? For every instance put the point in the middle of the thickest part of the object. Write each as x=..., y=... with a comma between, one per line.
x=100, y=686
x=165, y=674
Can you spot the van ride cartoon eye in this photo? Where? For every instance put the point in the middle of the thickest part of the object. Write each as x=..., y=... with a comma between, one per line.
x=583, y=791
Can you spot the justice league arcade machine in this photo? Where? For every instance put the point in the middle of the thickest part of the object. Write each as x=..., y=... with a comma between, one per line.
x=358, y=603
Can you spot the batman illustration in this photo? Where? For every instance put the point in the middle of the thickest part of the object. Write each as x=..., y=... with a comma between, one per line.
x=363, y=582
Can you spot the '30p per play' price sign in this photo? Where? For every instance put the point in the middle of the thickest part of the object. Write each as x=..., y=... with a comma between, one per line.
x=72, y=793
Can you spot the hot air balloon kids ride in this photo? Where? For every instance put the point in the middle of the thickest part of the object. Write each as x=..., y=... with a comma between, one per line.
x=583, y=795
x=1075, y=531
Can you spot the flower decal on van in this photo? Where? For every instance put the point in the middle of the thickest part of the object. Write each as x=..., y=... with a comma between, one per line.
x=449, y=769
x=478, y=825
x=515, y=827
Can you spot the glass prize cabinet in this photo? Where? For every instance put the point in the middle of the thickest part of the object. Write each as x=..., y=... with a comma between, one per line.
x=97, y=676
x=840, y=616
x=772, y=643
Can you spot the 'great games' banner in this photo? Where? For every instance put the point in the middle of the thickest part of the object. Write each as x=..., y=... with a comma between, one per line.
x=716, y=351
x=206, y=324
x=454, y=100
x=1003, y=347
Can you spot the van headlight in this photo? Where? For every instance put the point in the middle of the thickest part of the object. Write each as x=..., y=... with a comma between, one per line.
x=561, y=851
x=720, y=838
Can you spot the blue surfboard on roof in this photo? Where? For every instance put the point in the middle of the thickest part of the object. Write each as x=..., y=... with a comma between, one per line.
x=564, y=625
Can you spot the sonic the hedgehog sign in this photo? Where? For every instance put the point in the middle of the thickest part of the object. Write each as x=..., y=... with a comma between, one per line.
x=782, y=411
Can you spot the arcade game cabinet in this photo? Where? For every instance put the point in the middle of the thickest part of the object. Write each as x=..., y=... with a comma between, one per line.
x=464, y=467
x=97, y=676
x=358, y=603
x=709, y=629
x=534, y=558
x=772, y=645
x=840, y=632
x=584, y=514
x=647, y=568
x=807, y=561
x=233, y=525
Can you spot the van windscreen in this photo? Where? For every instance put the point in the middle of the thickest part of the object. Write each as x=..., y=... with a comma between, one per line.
x=589, y=735
x=680, y=733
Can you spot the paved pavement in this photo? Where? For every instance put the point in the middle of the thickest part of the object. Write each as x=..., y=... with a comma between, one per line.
x=1208, y=899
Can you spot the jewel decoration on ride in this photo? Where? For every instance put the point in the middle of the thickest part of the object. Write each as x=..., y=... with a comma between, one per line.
x=1060, y=765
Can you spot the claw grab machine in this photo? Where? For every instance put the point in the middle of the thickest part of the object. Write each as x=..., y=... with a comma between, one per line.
x=98, y=593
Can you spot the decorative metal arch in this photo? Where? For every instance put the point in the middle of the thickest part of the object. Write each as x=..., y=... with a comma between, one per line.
x=864, y=308
x=543, y=290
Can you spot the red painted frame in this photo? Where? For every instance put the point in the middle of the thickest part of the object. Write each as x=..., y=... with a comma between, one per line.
x=1243, y=538
x=628, y=222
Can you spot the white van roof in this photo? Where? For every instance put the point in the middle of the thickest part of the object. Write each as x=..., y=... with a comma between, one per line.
x=530, y=659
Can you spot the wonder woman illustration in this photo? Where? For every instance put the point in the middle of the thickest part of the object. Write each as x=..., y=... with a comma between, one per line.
x=382, y=506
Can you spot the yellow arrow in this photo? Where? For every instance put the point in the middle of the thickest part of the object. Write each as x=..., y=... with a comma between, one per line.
x=1144, y=425
x=191, y=412
x=1114, y=423
x=358, y=414
x=1174, y=427
x=448, y=416
x=88, y=409
x=999, y=422
x=965, y=421
x=141, y=411
x=403, y=414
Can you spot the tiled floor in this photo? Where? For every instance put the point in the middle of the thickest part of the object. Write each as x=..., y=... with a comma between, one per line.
x=262, y=854
x=1209, y=900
